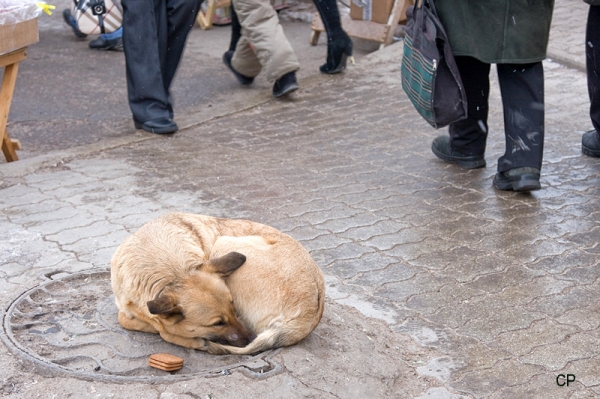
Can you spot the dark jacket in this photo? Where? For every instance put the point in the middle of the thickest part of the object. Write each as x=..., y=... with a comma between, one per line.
x=592, y=2
x=497, y=31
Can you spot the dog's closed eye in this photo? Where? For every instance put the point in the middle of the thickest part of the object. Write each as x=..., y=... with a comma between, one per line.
x=219, y=323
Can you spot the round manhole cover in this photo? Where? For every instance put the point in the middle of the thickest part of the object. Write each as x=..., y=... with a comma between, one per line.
x=69, y=325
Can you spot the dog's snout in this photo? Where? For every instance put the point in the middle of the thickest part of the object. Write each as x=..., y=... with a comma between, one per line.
x=244, y=339
x=240, y=339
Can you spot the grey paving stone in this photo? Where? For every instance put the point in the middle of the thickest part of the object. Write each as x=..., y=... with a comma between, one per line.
x=555, y=356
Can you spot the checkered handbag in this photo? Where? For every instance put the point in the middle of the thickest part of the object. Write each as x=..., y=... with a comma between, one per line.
x=430, y=77
x=95, y=17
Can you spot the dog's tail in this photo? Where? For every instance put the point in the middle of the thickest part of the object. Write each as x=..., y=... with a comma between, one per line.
x=267, y=339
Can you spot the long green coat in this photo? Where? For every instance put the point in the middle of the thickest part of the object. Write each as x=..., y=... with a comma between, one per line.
x=497, y=31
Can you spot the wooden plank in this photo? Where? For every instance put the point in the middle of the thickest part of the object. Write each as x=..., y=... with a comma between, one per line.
x=317, y=24
x=365, y=29
x=368, y=30
x=14, y=57
x=393, y=21
x=362, y=29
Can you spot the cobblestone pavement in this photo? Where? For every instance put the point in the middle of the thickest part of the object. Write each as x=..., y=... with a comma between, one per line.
x=567, y=34
x=501, y=287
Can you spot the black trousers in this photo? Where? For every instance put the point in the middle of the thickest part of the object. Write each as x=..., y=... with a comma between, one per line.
x=522, y=91
x=154, y=37
x=592, y=57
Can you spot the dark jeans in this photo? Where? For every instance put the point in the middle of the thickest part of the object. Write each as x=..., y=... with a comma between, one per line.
x=592, y=57
x=154, y=36
x=522, y=90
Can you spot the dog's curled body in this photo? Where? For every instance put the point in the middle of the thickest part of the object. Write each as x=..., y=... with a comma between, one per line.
x=220, y=285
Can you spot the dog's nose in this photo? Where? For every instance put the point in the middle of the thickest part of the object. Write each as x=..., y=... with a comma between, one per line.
x=239, y=339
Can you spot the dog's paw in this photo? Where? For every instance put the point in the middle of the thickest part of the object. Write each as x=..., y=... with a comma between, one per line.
x=199, y=344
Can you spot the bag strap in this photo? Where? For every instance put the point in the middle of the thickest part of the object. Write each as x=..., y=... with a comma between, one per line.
x=419, y=4
x=431, y=6
x=101, y=5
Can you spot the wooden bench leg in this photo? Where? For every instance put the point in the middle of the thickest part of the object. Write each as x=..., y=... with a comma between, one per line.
x=6, y=93
x=316, y=29
x=206, y=20
x=314, y=37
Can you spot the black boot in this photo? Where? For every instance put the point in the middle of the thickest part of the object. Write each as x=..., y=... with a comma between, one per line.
x=339, y=44
x=339, y=49
x=285, y=84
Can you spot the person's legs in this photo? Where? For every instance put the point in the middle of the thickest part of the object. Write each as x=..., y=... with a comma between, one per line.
x=592, y=55
x=180, y=19
x=591, y=140
x=522, y=90
x=466, y=144
x=236, y=29
x=245, y=59
x=108, y=41
x=261, y=27
x=469, y=136
x=154, y=36
x=339, y=44
x=144, y=35
x=72, y=22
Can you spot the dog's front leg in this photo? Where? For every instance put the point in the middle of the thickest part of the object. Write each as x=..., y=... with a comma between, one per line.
x=192, y=343
x=135, y=324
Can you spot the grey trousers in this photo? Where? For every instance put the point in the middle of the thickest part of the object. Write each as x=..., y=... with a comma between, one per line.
x=263, y=45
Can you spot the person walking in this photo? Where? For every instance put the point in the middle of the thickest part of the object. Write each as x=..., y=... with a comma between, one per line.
x=590, y=141
x=339, y=44
x=154, y=37
x=262, y=45
x=105, y=41
x=513, y=34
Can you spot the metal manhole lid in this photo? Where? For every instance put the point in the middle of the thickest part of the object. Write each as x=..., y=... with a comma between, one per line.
x=69, y=326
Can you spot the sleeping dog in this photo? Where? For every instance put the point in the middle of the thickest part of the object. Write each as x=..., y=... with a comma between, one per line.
x=219, y=285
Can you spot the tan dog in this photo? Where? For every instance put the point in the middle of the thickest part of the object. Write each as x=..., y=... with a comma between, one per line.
x=220, y=285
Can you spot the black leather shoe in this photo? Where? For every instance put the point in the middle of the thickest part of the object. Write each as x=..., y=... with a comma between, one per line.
x=590, y=145
x=110, y=44
x=158, y=126
x=518, y=179
x=442, y=149
x=285, y=85
x=244, y=80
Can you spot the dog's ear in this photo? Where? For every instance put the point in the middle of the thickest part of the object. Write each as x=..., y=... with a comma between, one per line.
x=165, y=306
x=225, y=265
